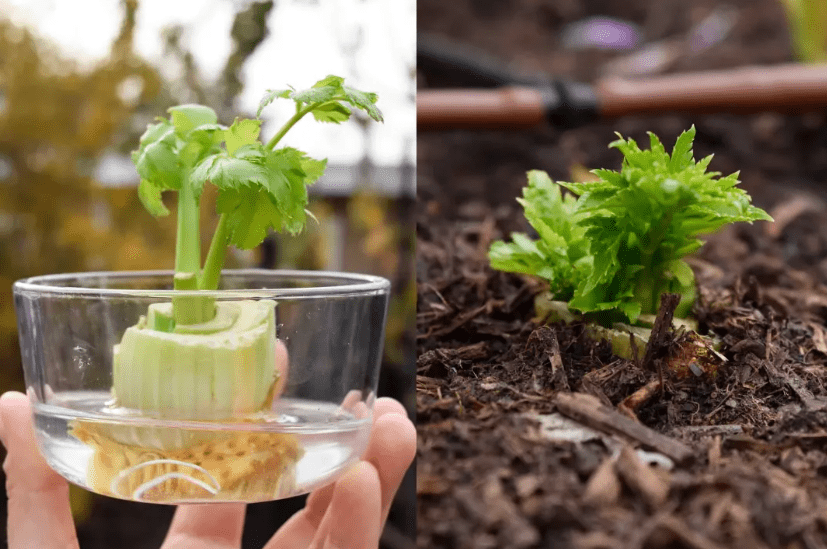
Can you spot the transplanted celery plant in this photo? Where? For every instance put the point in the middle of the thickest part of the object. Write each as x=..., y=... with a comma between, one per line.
x=196, y=358
x=612, y=251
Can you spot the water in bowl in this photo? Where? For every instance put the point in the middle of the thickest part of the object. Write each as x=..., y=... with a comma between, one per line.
x=292, y=449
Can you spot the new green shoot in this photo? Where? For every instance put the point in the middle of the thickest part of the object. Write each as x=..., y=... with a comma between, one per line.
x=616, y=248
x=260, y=187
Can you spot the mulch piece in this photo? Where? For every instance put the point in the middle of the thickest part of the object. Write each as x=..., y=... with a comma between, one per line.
x=521, y=443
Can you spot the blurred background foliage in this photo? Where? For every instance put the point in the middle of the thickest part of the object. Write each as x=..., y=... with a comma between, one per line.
x=807, y=20
x=68, y=199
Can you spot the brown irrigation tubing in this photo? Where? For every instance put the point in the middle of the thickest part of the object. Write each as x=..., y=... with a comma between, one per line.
x=783, y=88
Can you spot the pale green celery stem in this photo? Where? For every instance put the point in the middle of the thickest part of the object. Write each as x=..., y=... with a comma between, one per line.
x=649, y=295
x=187, y=239
x=292, y=122
x=648, y=285
x=216, y=256
x=190, y=309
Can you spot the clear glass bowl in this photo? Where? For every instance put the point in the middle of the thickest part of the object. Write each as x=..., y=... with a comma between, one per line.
x=272, y=400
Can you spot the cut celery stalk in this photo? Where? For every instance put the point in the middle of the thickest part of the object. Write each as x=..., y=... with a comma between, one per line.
x=220, y=369
x=698, y=355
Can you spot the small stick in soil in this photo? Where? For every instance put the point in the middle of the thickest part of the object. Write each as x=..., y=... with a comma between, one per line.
x=632, y=403
x=661, y=327
x=558, y=373
x=710, y=430
x=590, y=412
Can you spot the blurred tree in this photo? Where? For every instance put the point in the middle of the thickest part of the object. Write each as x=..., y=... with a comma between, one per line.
x=55, y=123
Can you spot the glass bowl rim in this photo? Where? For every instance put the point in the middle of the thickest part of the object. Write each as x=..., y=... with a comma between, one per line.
x=352, y=284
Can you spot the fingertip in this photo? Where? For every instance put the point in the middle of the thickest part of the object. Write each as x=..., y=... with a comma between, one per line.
x=281, y=352
x=283, y=367
x=23, y=461
x=356, y=509
x=391, y=450
x=387, y=405
x=361, y=475
x=396, y=437
x=10, y=403
x=3, y=399
x=221, y=524
x=39, y=514
x=10, y=397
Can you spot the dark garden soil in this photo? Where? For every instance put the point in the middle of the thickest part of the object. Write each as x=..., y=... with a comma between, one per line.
x=508, y=456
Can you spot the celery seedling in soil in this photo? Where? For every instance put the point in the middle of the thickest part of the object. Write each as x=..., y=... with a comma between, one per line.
x=196, y=358
x=612, y=247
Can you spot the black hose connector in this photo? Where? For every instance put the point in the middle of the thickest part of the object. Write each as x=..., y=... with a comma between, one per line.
x=460, y=65
x=569, y=104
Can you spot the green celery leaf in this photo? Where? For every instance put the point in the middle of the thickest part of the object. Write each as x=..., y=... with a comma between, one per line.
x=207, y=134
x=261, y=190
x=365, y=101
x=159, y=164
x=251, y=214
x=330, y=80
x=269, y=97
x=229, y=172
x=156, y=132
x=316, y=94
x=657, y=148
x=630, y=309
x=682, y=152
x=682, y=272
x=287, y=186
x=335, y=113
x=313, y=169
x=187, y=117
x=200, y=142
x=150, y=196
x=560, y=253
x=327, y=100
x=242, y=132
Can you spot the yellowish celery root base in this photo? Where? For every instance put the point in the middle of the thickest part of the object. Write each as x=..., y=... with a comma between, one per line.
x=244, y=466
x=695, y=356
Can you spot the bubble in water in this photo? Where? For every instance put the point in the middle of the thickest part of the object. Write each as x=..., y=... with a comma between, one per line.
x=81, y=357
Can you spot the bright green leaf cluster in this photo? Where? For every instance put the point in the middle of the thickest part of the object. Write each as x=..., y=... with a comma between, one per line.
x=328, y=99
x=260, y=188
x=170, y=149
x=561, y=256
x=620, y=245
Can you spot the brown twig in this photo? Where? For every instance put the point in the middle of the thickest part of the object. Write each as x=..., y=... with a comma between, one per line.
x=632, y=403
x=589, y=411
x=558, y=373
x=661, y=327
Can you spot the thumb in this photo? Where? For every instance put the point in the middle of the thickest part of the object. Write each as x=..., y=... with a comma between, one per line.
x=38, y=509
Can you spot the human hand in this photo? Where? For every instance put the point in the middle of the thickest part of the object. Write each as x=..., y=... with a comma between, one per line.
x=347, y=514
